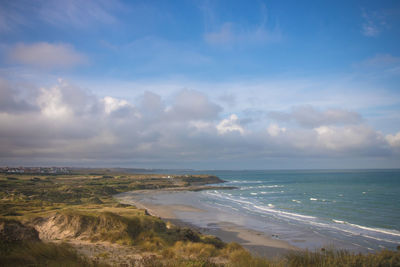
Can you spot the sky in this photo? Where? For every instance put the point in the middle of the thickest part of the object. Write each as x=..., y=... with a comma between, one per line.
x=200, y=84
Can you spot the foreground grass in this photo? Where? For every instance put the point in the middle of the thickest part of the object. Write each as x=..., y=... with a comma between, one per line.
x=80, y=207
x=48, y=254
x=344, y=258
x=41, y=254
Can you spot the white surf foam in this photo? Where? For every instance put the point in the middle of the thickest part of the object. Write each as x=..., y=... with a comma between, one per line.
x=378, y=230
x=386, y=235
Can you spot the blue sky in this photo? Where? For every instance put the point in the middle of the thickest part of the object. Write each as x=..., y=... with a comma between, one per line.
x=200, y=84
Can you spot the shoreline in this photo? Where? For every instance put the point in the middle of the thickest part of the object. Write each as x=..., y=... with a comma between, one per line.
x=258, y=243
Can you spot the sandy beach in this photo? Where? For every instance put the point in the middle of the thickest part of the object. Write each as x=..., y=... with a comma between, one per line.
x=256, y=242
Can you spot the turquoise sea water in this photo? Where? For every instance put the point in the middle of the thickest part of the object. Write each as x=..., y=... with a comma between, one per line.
x=368, y=197
x=349, y=209
x=348, y=203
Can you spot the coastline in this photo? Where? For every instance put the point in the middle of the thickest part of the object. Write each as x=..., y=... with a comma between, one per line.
x=79, y=215
x=258, y=243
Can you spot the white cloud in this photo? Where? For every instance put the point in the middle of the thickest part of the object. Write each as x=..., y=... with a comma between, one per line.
x=342, y=93
x=202, y=125
x=275, y=130
x=112, y=104
x=69, y=124
x=348, y=137
x=230, y=125
x=14, y=99
x=46, y=55
x=51, y=103
x=393, y=140
x=193, y=105
x=370, y=30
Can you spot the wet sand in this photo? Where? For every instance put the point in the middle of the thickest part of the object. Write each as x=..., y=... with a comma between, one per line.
x=256, y=242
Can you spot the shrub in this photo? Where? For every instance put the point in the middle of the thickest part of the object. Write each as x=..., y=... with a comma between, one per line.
x=194, y=250
x=241, y=257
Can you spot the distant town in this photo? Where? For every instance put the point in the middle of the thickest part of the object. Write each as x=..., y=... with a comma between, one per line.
x=45, y=170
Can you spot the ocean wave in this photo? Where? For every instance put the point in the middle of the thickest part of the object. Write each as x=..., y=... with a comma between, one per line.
x=283, y=213
x=386, y=235
x=245, y=182
x=354, y=231
x=270, y=186
x=226, y=197
x=378, y=230
x=260, y=186
x=251, y=205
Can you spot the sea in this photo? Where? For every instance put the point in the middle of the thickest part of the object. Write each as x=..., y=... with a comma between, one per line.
x=357, y=210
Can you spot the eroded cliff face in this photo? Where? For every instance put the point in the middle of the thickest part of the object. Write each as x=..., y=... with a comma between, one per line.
x=102, y=227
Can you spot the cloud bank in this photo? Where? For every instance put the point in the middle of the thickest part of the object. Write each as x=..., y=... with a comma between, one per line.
x=65, y=123
x=46, y=55
x=307, y=116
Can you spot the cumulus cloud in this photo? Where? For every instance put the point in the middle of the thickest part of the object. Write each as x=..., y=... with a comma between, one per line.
x=228, y=99
x=275, y=130
x=112, y=104
x=307, y=116
x=230, y=125
x=65, y=99
x=14, y=100
x=152, y=105
x=193, y=105
x=51, y=104
x=394, y=140
x=46, y=55
x=348, y=137
x=66, y=123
